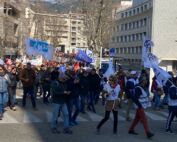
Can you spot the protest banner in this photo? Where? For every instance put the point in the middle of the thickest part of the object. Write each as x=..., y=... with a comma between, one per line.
x=36, y=47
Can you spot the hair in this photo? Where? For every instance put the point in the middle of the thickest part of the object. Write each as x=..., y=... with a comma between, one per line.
x=113, y=78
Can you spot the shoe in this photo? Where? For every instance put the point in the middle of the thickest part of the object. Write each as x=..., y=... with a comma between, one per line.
x=132, y=132
x=13, y=108
x=150, y=135
x=169, y=131
x=67, y=131
x=55, y=131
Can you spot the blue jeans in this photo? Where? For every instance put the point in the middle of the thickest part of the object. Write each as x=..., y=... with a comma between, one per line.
x=157, y=102
x=63, y=108
x=75, y=102
x=3, y=100
x=91, y=101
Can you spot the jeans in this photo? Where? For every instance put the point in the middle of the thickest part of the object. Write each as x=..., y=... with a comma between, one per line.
x=63, y=108
x=91, y=101
x=83, y=101
x=76, y=103
x=107, y=114
x=157, y=102
x=140, y=117
x=12, y=94
x=29, y=91
x=3, y=100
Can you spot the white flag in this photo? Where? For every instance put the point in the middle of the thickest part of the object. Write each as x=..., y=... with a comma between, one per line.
x=161, y=75
x=110, y=71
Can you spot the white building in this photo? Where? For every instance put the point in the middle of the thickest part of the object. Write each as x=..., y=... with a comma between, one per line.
x=155, y=19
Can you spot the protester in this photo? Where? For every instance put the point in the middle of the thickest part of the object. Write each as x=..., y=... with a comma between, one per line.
x=141, y=100
x=4, y=81
x=59, y=93
x=12, y=86
x=172, y=105
x=129, y=91
x=27, y=77
x=112, y=91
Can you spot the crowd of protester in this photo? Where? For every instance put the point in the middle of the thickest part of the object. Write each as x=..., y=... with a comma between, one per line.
x=72, y=91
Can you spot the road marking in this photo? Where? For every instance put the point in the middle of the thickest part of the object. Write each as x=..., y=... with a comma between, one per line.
x=94, y=117
x=81, y=119
x=164, y=113
x=8, y=119
x=31, y=118
x=155, y=116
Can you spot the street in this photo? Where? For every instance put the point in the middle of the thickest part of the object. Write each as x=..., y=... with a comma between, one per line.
x=27, y=125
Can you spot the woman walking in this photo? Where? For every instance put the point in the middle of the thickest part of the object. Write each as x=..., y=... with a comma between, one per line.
x=111, y=91
x=4, y=81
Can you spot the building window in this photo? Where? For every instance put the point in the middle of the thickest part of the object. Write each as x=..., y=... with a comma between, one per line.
x=79, y=28
x=138, y=10
x=121, y=50
x=136, y=50
x=141, y=36
x=142, y=8
x=129, y=26
x=121, y=39
x=126, y=14
x=145, y=21
x=129, y=50
x=73, y=22
x=130, y=13
x=141, y=23
x=117, y=39
x=137, y=36
x=145, y=6
x=122, y=27
x=129, y=38
x=122, y=15
x=73, y=28
x=137, y=24
x=133, y=50
x=126, y=26
x=133, y=37
x=144, y=34
x=140, y=49
x=125, y=50
x=73, y=44
x=117, y=50
x=113, y=39
x=134, y=25
x=125, y=38
x=134, y=11
x=78, y=44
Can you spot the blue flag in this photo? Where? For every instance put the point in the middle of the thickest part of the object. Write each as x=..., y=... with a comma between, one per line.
x=82, y=56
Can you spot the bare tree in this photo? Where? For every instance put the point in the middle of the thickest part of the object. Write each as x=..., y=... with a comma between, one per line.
x=98, y=22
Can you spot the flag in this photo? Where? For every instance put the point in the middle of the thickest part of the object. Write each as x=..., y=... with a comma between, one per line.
x=161, y=75
x=82, y=56
x=110, y=71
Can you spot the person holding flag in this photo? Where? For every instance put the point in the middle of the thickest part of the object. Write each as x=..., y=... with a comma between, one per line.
x=172, y=105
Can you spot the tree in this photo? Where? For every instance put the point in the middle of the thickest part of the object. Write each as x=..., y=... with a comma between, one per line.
x=98, y=23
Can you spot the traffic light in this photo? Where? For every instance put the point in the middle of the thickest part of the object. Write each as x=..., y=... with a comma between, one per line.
x=27, y=12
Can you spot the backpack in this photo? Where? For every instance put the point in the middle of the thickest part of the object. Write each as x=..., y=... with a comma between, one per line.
x=173, y=92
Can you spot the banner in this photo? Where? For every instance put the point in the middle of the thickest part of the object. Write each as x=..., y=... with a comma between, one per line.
x=82, y=56
x=110, y=71
x=161, y=75
x=36, y=47
x=147, y=45
x=112, y=52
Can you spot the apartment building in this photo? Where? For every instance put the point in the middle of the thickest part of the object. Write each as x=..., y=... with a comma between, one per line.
x=9, y=25
x=64, y=31
x=155, y=19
